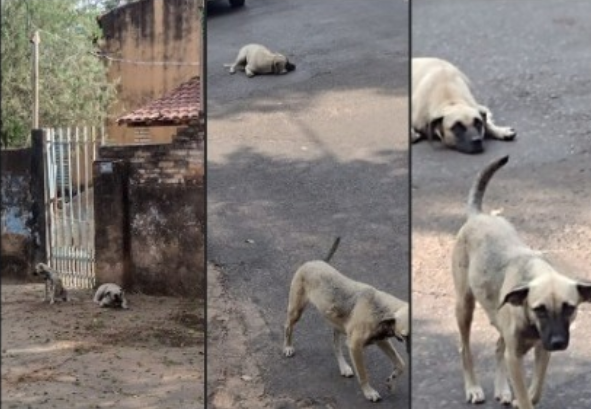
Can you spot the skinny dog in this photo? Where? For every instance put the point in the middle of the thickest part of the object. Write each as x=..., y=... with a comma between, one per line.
x=54, y=288
x=256, y=59
x=361, y=312
x=111, y=295
x=526, y=299
x=443, y=107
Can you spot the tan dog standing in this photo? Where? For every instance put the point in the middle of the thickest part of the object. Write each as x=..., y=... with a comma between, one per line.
x=525, y=298
x=443, y=108
x=361, y=312
x=256, y=59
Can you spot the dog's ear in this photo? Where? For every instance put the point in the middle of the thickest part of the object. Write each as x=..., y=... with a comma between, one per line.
x=516, y=296
x=584, y=291
x=435, y=128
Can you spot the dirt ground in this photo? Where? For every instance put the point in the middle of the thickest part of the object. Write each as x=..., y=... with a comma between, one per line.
x=233, y=373
x=77, y=355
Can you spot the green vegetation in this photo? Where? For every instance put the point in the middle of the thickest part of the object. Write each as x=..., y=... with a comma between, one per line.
x=73, y=87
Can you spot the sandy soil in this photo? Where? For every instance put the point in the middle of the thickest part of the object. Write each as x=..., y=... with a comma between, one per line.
x=76, y=355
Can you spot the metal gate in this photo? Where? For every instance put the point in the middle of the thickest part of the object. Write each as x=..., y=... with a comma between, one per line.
x=69, y=202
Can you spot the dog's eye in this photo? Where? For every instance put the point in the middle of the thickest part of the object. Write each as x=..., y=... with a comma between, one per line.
x=458, y=127
x=478, y=123
x=541, y=311
x=568, y=309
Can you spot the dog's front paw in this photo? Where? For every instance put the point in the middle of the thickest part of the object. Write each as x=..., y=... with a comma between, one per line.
x=288, y=351
x=503, y=395
x=506, y=133
x=346, y=371
x=475, y=395
x=504, y=398
x=391, y=381
x=415, y=136
x=371, y=394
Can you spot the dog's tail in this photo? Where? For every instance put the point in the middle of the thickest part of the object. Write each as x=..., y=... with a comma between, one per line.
x=477, y=191
x=333, y=250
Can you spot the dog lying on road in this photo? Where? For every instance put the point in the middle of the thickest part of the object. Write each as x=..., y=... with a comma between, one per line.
x=111, y=295
x=443, y=107
x=361, y=312
x=526, y=299
x=54, y=287
x=256, y=59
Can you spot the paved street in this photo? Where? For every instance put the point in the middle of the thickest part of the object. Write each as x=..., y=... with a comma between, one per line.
x=294, y=161
x=529, y=62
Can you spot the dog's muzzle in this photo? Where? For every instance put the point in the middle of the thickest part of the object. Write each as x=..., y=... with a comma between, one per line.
x=289, y=67
x=470, y=143
x=555, y=335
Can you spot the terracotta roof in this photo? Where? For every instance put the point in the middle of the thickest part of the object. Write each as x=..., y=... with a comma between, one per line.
x=179, y=106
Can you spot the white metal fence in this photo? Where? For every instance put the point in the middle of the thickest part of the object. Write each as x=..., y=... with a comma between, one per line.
x=69, y=202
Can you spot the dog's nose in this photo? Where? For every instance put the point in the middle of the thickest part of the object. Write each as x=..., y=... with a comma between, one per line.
x=558, y=343
x=477, y=146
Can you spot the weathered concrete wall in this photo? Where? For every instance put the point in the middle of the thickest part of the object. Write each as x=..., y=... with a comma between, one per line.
x=150, y=30
x=165, y=215
x=17, y=214
x=111, y=212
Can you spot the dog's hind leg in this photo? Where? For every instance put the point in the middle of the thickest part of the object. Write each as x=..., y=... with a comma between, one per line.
x=503, y=133
x=502, y=389
x=295, y=308
x=249, y=72
x=465, y=304
x=239, y=63
x=541, y=360
x=464, y=313
x=337, y=344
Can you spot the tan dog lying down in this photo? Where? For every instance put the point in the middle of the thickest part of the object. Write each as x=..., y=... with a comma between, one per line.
x=443, y=108
x=256, y=59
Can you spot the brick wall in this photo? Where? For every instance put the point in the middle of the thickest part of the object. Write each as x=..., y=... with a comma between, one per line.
x=165, y=207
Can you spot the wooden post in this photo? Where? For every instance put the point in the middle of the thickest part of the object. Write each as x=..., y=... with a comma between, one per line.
x=36, y=40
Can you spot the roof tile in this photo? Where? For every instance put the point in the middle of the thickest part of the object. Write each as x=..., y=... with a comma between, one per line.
x=180, y=106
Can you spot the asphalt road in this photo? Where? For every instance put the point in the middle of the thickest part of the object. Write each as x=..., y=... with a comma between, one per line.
x=529, y=61
x=294, y=161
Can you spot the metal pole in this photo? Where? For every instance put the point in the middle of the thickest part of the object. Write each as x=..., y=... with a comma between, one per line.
x=36, y=40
